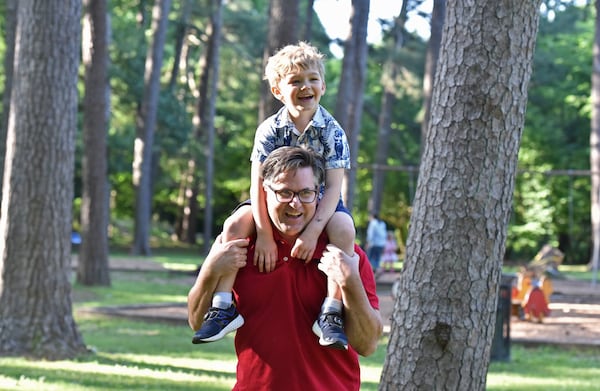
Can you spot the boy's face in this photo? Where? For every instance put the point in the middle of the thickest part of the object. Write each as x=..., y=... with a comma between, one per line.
x=300, y=91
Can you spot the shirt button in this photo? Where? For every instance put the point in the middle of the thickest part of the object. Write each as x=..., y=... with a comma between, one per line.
x=285, y=259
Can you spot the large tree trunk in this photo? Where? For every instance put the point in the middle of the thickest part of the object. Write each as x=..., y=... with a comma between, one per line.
x=283, y=30
x=349, y=105
x=92, y=268
x=35, y=265
x=443, y=321
x=595, y=150
x=146, y=124
x=431, y=60
x=10, y=24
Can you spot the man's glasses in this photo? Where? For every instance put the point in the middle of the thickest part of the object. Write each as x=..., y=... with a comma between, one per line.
x=305, y=196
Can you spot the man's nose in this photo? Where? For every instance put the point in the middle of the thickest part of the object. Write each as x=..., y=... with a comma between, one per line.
x=295, y=200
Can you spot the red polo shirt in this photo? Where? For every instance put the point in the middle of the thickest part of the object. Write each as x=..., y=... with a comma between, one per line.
x=276, y=347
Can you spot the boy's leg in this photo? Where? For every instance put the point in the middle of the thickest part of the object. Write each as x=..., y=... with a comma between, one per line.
x=330, y=325
x=223, y=318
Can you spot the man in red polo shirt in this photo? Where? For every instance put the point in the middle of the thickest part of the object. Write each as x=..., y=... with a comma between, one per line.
x=276, y=348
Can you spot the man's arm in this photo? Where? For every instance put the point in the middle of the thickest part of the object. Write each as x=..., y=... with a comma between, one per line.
x=363, y=323
x=222, y=259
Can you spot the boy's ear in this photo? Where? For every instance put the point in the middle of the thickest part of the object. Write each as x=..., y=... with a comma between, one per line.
x=276, y=92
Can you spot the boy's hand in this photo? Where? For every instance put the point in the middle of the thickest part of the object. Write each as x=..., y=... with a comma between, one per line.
x=265, y=253
x=304, y=247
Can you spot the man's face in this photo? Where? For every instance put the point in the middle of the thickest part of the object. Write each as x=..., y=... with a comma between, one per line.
x=290, y=218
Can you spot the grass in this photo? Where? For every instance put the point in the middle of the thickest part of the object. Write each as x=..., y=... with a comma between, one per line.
x=131, y=354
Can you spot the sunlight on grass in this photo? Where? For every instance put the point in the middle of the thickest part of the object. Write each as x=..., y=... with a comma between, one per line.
x=130, y=355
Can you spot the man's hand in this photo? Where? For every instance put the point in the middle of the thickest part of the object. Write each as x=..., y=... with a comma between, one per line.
x=228, y=257
x=338, y=265
x=265, y=253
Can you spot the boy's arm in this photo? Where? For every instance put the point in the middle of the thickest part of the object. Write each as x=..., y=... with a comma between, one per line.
x=305, y=245
x=265, y=253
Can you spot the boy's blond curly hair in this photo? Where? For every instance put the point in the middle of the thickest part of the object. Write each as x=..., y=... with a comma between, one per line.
x=292, y=58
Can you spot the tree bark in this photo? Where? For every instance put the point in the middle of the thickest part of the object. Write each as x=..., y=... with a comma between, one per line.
x=444, y=316
x=349, y=106
x=146, y=125
x=92, y=266
x=35, y=265
x=431, y=60
x=10, y=22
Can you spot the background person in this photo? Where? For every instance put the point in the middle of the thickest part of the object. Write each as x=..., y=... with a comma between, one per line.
x=376, y=238
x=390, y=253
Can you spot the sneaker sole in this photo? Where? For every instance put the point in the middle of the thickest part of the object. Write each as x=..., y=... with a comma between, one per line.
x=232, y=326
x=330, y=344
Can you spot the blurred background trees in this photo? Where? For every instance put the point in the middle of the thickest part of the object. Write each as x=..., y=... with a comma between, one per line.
x=552, y=192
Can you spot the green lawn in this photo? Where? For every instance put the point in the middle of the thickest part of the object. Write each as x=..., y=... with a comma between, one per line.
x=140, y=355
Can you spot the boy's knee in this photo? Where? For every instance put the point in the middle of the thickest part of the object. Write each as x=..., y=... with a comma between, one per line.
x=238, y=226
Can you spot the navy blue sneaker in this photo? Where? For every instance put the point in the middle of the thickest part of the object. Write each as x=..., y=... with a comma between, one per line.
x=330, y=329
x=218, y=323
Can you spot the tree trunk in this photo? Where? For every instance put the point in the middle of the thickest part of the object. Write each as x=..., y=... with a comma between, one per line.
x=389, y=75
x=180, y=37
x=92, y=267
x=443, y=321
x=35, y=224
x=350, y=100
x=431, y=60
x=146, y=124
x=10, y=24
x=308, y=22
x=204, y=134
x=283, y=30
x=209, y=144
x=595, y=150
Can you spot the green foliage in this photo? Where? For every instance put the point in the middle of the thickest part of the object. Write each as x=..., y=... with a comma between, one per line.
x=550, y=208
x=555, y=208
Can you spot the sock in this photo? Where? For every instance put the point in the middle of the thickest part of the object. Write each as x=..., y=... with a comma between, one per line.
x=332, y=305
x=222, y=300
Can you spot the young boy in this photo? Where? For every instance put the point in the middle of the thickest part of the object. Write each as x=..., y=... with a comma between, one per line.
x=296, y=75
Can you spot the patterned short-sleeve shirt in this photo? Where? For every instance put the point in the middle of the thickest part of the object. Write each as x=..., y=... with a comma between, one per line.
x=324, y=135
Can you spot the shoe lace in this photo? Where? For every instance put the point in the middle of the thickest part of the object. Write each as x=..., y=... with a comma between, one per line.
x=212, y=313
x=333, y=319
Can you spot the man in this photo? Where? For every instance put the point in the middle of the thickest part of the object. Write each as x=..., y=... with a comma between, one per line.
x=276, y=348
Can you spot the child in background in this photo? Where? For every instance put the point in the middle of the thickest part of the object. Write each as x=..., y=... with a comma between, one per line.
x=390, y=253
x=296, y=75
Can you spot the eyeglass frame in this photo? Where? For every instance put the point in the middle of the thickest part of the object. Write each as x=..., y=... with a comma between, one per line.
x=294, y=194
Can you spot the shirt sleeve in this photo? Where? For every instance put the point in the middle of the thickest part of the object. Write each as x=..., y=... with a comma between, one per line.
x=367, y=277
x=337, y=150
